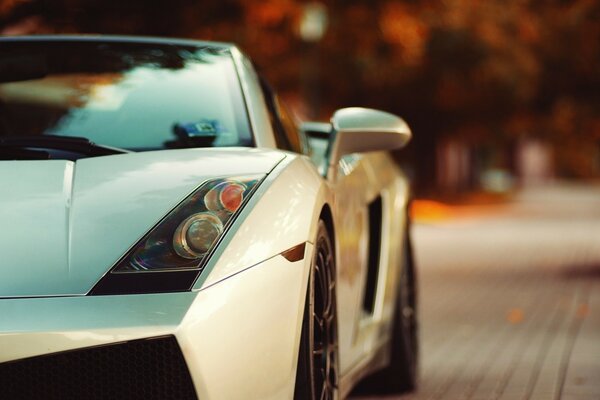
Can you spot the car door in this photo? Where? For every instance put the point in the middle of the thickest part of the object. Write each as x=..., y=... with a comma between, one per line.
x=370, y=199
x=353, y=193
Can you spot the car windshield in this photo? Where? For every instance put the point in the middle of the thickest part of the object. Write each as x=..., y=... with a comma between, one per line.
x=135, y=96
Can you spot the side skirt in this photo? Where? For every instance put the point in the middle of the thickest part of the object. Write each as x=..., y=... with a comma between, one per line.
x=379, y=359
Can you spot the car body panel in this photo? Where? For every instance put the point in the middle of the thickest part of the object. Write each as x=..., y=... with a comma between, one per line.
x=255, y=103
x=282, y=214
x=350, y=213
x=92, y=211
x=243, y=316
x=36, y=326
x=372, y=331
x=360, y=179
x=214, y=349
x=34, y=216
x=271, y=295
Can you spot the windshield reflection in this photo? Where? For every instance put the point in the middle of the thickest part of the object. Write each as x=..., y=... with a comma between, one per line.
x=124, y=95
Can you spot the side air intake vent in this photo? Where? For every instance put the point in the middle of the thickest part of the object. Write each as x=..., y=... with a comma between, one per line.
x=375, y=216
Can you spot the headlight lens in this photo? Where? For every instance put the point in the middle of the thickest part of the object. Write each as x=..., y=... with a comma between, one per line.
x=182, y=240
x=226, y=196
x=194, y=236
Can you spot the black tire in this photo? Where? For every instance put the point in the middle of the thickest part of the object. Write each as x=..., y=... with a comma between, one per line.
x=400, y=376
x=318, y=364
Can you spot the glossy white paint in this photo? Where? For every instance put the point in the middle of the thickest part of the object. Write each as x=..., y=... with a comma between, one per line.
x=246, y=285
x=65, y=224
x=244, y=315
x=283, y=213
x=360, y=179
x=35, y=326
x=359, y=130
x=255, y=103
x=229, y=352
x=34, y=221
x=213, y=327
x=394, y=193
x=352, y=233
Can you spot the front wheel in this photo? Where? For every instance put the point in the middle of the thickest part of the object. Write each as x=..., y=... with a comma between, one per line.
x=318, y=366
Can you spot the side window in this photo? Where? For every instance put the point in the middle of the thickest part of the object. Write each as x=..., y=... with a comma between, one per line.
x=287, y=134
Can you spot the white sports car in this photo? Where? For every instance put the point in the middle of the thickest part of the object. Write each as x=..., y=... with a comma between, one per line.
x=167, y=231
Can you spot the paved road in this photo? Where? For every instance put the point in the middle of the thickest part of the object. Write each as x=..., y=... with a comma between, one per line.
x=510, y=299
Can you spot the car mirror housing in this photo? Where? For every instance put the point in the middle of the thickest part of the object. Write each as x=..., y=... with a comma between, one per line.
x=361, y=130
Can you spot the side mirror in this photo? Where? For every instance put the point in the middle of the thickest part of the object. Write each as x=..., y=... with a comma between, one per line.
x=360, y=130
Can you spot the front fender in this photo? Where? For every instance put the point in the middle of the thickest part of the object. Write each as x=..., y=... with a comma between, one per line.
x=250, y=305
x=240, y=337
x=283, y=213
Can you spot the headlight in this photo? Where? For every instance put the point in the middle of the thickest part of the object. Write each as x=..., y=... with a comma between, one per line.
x=171, y=255
x=195, y=236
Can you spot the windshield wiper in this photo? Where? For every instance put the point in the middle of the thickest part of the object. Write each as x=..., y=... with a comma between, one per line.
x=74, y=144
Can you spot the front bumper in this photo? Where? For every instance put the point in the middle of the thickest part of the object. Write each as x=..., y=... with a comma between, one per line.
x=148, y=369
x=239, y=337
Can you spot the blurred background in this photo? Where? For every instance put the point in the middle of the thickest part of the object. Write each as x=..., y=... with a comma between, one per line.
x=503, y=97
x=500, y=94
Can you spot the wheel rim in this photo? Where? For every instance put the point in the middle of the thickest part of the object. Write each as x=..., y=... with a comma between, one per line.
x=325, y=346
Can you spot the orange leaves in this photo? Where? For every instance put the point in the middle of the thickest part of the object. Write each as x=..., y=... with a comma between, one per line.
x=430, y=211
x=402, y=27
x=515, y=316
x=7, y=5
x=583, y=310
x=268, y=13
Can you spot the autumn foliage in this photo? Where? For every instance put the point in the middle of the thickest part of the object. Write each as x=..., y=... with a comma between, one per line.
x=489, y=73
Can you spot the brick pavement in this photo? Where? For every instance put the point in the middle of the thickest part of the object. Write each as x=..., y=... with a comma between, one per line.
x=510, y=299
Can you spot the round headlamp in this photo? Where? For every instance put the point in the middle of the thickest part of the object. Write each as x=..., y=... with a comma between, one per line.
x=183, y=239
x=195, y=235
x=226, y=196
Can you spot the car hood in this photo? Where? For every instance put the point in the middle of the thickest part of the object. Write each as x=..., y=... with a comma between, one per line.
x=63, y=224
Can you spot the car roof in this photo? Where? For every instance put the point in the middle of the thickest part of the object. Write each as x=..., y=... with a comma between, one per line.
x=117, y=39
